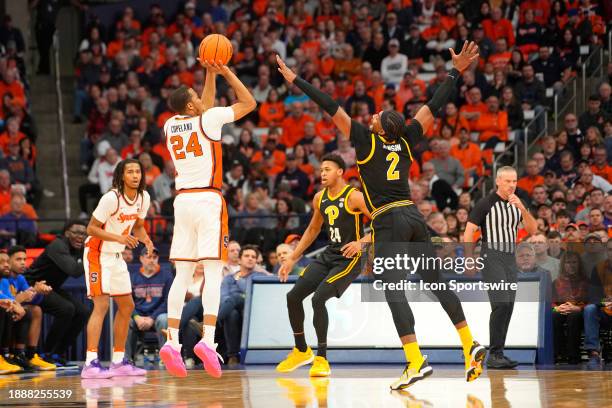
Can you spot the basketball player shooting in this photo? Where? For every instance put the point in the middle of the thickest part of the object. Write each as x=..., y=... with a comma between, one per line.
x=384, y=159
x=200, y=226
x=116, y=223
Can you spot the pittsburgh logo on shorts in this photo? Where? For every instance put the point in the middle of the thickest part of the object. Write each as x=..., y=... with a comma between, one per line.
x=225, y=241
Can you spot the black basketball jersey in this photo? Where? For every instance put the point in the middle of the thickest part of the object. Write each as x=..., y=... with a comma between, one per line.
x=341, y=223
x=383, y=167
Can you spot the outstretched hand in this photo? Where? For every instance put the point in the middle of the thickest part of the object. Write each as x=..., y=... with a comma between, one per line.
x=214, y=67
x=468, y=54
x=287, y=73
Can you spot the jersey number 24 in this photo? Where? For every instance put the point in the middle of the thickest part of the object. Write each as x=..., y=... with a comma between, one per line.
x=180, y=150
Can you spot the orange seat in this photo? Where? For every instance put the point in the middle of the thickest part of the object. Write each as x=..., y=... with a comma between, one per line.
x=32, y=254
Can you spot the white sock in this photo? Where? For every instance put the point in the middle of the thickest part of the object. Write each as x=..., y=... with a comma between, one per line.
x=91, y=356
x=209, y=335
x=173, y=337
x=118, y=356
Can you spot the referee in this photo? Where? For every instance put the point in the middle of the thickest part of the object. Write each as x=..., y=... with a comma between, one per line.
x=498, y=216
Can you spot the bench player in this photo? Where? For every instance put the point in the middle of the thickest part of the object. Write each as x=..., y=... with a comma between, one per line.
x=117, y=222
x=200, y=215
x=384, y=160
x=339, y=208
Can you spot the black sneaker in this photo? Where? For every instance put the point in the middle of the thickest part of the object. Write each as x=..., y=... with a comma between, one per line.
x=62, y=363
x=22, y=361
x=498, y=362
x=513, y=363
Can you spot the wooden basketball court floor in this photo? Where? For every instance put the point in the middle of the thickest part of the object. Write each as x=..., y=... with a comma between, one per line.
x=349, y=386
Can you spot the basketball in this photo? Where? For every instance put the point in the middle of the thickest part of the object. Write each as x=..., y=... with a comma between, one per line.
x=215, y=47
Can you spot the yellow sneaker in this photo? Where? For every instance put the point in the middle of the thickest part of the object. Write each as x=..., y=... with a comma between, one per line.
x=41, y=364
x=473, y=364
x=320, y=367
x=412, y=375
x=294, y=360
x=8, y=368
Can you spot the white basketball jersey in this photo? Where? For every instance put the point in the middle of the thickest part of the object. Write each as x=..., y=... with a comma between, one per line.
x=194, y=143
x=118, y=216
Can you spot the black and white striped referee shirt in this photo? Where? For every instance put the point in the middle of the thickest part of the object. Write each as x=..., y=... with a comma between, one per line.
x=498, y=221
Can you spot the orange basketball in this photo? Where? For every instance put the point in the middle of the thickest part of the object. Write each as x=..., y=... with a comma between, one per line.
x=215, y=47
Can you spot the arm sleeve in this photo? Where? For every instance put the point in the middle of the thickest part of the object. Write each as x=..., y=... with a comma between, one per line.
x=106, y=207
x=361, y=137
x=443, y=93
x=213, y=120
x=322, y=99
x=479, y=212
x=414, y=132
x=60, y=255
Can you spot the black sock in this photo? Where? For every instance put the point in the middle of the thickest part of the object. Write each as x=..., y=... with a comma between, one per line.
x=322, y=350
x=19, y=351
x=300, y=342
x=30, y=351
x=5, y=351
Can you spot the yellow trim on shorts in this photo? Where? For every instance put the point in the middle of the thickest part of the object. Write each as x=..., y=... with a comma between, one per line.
x=394, y=204
x=345, y=272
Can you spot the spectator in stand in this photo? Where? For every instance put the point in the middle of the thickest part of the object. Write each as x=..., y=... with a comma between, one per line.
x=570, y=291
x=271, y=111
x=263, y=87
x=596, y=220
x=530, y=91
x=22, y=173
x=469, y=155
x=233, y=293
x=286, y=218
x=593, y=116
x=115, y=135
x=96, y=124
x=252, y=216
x=574, y=134
x=532, y=179
x=151, y=170
x=526, y=260
x=293, y=125
x=11, y=135
x=15, y=225
x=474, y=107
x=447, y=167
x=608, y=211
x=567, y=172
x=232, y=264
x=5, y=188
x=100, y=176
x=61, y=259
x=414, y=47
x=346, y=151
x=295, y=178
x=529, y=34
x=162, y=184
x=605, y=96
x=492, y=124
x=598, y=313
x=15, y=287
x=549, y=67
x=359, y=96
x=539, y=197
x=150, y=287
x=498, y=27
x=540, y=246
x=394, y=66
x=590, y=181
x=439, y=189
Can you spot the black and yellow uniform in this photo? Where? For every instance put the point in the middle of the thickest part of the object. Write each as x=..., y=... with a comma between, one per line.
x=383, y=168
x=331, y=273
x=343, y=226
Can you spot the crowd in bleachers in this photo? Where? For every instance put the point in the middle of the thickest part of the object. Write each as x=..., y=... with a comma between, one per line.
x=370, y=56
x=20, y=190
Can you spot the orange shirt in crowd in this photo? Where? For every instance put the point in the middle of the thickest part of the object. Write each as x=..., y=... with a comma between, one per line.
x=500, y=60
x=415, y=171
x=528, y=183
x=350, y=67
x=470, y=108
x=469, y=156
x=541, y=11
x=6, y=140
x=326, y=65
x=162, y=150
x=605, y=172
x=378, y=94
x=293, y=129
x=113, y=48
x=492, y=124
x=311, y=49
x=28, y=210
x=499, y=29
x=271, y=114
x=15, y=88
x=326, y=130
x=277, y=165
x=151, y=174
x=5, y=197
x=452, y=121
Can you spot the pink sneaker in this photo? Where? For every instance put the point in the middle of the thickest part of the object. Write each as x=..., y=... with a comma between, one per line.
x=173, y=361
x=209, y=357
x=125, y=368
x=95, y=370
